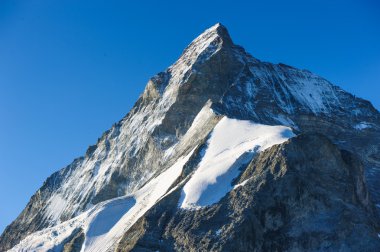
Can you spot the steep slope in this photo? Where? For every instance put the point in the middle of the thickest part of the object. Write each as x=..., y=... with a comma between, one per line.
x=275, y=206
x=231, y=145
x=104, y=224
x=137, y=147
x=174, y=118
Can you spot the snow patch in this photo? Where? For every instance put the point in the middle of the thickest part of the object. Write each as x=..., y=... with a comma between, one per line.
x=308, y=89
x=105, y=223
x=241, y=184
x=55, y=206
x=283, y=120
x=231, y=145
x=218, y=232
x=362, y=125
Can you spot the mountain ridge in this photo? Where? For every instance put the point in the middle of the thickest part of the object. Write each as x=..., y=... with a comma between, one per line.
x=177, y=112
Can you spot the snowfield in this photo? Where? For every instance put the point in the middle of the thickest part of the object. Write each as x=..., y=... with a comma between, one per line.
x=105, y=223
x=231, y=145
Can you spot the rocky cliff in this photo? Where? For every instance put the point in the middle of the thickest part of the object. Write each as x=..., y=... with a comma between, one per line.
x=302, y=195
x=203, y=162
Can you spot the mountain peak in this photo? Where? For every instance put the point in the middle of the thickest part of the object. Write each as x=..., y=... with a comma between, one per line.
x=215, y=37
x=202, y=48
x=202, y=137
x=220, y=31
x=219, y=27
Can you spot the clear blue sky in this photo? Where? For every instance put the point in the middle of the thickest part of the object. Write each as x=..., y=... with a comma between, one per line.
x=70, y=69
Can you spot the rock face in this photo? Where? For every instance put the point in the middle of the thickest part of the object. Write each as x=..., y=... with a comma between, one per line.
x=302, y=195
x=305, y=194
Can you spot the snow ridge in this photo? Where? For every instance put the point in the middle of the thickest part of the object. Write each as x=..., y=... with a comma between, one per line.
x=105, y=223
x=232, y=145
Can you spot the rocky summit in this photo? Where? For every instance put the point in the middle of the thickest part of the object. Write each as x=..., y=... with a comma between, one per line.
x=221, y=152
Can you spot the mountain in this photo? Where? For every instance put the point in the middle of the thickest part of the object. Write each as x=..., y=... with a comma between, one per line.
x=221, y=152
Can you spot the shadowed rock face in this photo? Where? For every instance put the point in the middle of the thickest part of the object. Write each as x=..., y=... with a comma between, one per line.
x=74, y=244
x=302, y=195
x=215, y=78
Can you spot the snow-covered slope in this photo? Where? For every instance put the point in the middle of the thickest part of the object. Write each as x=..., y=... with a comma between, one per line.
x=194, y=128
x=127, y=155
x=83, y=184
x=231, y=146
x=104, y=224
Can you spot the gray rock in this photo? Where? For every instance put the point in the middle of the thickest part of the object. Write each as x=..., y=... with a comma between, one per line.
x=302, y=195
x=74, y=244
x=214, y=74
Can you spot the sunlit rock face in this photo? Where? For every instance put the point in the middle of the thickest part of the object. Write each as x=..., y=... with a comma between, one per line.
x=209, y=159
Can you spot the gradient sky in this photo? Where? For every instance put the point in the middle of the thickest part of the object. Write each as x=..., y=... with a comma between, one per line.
x=69, y=69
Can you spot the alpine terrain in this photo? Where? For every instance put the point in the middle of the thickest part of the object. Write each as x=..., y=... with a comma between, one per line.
x=221, y=152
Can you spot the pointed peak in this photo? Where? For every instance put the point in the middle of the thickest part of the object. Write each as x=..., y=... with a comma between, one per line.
x=217, y=36
x=216, y=26
x=201, y=49
x=221, y=31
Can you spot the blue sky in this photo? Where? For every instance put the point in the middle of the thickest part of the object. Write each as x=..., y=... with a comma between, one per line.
x=70, y=69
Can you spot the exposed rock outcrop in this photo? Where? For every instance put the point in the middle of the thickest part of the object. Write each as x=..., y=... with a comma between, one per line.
x=302, y=195
x=174, y=117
